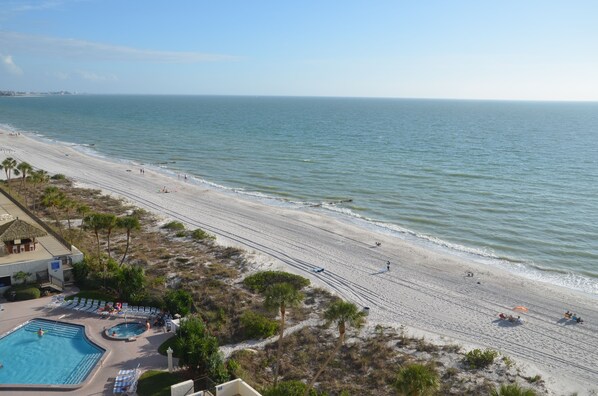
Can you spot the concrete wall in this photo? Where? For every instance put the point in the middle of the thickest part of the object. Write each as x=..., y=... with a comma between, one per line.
x=182, y=388
x=27, y=266
x=236, y=387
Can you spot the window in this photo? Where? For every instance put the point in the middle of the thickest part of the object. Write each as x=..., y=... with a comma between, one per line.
x=5, y=281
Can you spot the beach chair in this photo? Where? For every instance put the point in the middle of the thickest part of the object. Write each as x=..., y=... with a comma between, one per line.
x=124, y=309
x=126, y=382
x=81, y=304
x=90, y=304
x=100, y=308
x=112, y=309
x=70, y=303
x=94, y=306
x=83, y=307
x=56, y=301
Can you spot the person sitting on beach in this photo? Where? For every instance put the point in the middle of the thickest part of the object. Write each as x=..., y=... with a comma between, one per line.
x=502, y=316
x=378, y=244
x=574, y=317
x=511, y=318
x=40, y=332
x=579, y=319
x=568, y=314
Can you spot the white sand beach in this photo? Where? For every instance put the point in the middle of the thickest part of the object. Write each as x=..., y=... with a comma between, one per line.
x=425, y=290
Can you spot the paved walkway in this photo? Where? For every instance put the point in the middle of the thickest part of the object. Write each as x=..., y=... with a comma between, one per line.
x=120, y=354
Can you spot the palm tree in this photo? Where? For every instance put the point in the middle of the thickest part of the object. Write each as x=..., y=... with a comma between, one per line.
x=68, y=205
x=38, y=177
x=94, y=222
x=280, y=296
x=512, y=390
x=25, y=170
x=129, y=223
x=341, y=313
x=417, y=380
x=82, y=210
x=9, y=165
x=53, y=199
x=108, y=224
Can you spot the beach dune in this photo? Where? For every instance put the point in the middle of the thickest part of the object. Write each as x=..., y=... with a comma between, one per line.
x=426, y=290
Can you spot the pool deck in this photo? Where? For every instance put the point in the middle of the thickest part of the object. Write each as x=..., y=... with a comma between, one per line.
x=120, y=354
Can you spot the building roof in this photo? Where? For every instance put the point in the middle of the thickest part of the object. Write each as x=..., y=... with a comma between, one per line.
x=19, y=229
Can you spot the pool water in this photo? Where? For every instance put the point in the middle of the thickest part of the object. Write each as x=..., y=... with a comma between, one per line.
x=126, y=330
x=63, y=355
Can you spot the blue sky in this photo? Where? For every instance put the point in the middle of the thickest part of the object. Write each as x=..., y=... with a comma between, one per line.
x=523, y=50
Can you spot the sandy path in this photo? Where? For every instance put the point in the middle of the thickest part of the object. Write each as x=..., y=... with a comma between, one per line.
x=425, y=290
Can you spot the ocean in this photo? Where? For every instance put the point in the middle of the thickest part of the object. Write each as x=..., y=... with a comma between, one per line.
x=511, y=184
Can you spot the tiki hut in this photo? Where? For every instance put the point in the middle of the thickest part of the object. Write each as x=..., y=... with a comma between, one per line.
x=19, y=236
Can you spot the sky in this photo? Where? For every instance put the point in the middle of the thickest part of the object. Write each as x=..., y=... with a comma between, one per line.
x=476, y=49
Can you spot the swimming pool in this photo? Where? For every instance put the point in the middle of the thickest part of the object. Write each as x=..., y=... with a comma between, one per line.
x=125, y=330
x=62, y=356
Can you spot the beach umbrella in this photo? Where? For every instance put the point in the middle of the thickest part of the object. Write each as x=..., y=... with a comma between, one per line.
x=520, y=308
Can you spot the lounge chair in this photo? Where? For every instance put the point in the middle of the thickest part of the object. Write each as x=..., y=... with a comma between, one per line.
x=126, y=382
x=94, y=306
x=100, y=308
x=84, y=307
x=124, y=309
x=81, y=304
x=70, y=303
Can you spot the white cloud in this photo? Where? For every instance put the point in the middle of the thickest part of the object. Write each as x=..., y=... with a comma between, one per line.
x=95, y=77
x=89, y=50
x=9, y=65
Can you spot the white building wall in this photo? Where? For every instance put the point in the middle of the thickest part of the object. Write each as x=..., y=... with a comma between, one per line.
x=182, y=388
x=236, y=387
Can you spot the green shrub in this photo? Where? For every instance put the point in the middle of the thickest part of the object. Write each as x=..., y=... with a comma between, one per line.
x=174, y=226
x=181, y=234
x=29, y=293
x=477, y=359
x=178, y=301
x=512, y=390
x=58, y=176
x=260, y=281
x=258, y=326
x=289, y=388
x=200, y=234
x=417, y=379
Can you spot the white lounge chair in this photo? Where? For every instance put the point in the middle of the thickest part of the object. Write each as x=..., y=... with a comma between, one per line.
x=94, y=306
x=70, y=303
x=82, y=307
x=126, y=382
x=81, y=304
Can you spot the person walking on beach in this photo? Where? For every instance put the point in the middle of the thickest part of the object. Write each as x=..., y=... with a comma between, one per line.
x=388, y=266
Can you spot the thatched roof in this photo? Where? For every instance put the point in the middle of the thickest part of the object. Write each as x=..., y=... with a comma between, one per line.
x=18, y=229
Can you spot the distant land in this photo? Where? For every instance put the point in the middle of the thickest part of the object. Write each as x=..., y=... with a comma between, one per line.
x=21, y=93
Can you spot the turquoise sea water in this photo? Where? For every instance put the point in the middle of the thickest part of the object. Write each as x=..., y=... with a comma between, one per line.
x=514, y=184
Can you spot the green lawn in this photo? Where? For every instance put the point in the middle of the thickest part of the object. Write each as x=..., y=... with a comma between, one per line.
x=157, y=383
x=168, y=343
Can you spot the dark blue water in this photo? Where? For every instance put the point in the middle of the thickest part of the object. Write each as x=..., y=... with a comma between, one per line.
x=515, y=183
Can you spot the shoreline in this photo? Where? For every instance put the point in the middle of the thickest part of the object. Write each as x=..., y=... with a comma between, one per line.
x=425, y=290
x=577, y=281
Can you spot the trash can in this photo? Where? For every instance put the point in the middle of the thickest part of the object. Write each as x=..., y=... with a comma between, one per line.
x=12, y=296
x=366, y=311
